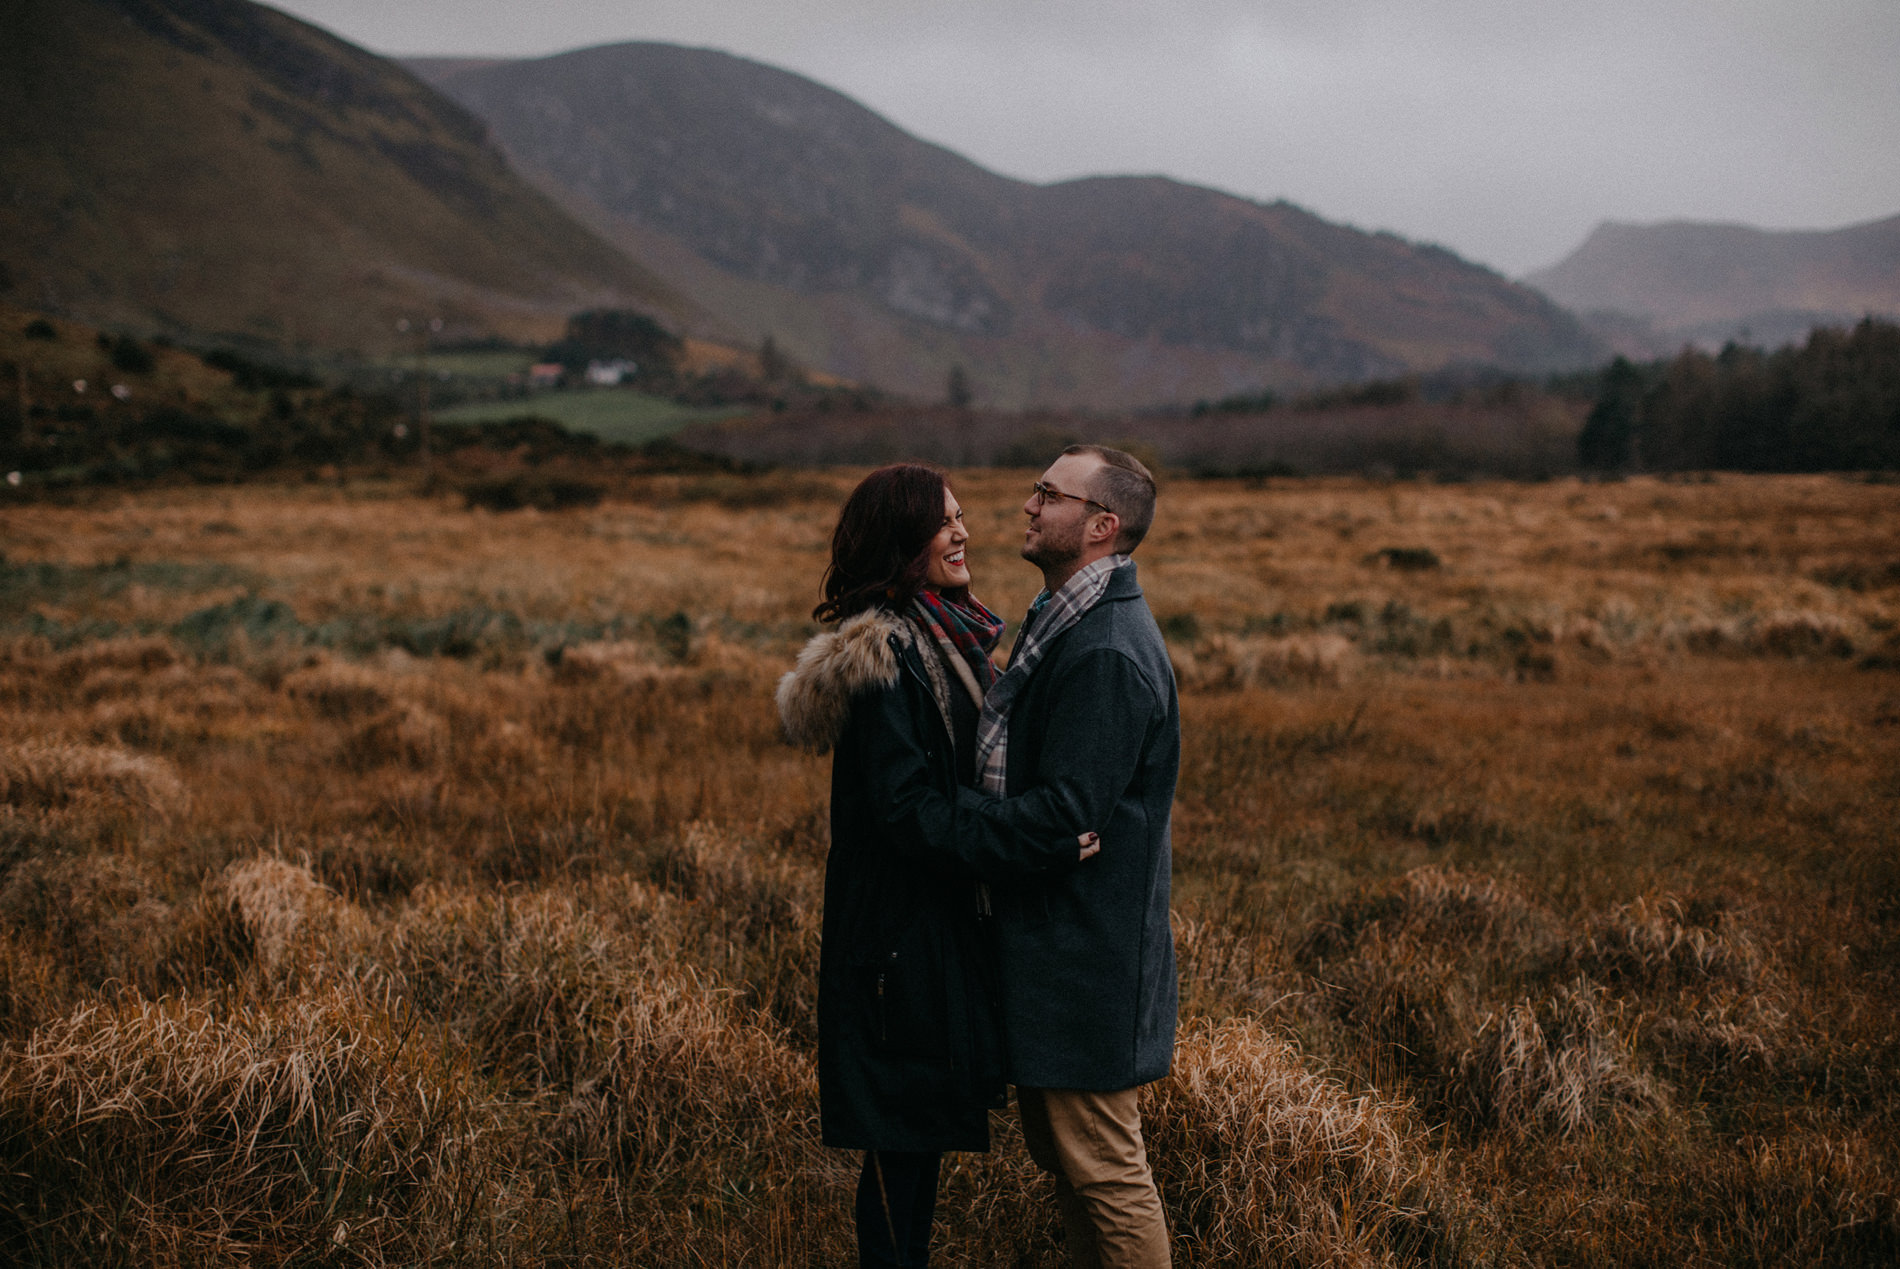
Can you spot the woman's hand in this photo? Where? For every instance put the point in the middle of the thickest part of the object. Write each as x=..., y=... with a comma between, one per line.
x=1091, y=844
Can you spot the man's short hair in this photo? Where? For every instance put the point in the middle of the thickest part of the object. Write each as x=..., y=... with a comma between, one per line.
x=1125, y=486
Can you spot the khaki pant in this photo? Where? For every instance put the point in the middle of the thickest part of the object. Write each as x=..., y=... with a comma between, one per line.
x=1091, y=1144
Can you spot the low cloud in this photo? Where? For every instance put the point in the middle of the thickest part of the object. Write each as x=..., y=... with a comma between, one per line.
x=1502, y=130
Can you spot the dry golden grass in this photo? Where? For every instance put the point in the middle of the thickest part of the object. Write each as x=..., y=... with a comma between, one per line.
x=58, y=775
x=1269, y=1162
x=383, y=882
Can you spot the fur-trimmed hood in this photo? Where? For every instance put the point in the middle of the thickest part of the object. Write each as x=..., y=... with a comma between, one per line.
x=814, y=697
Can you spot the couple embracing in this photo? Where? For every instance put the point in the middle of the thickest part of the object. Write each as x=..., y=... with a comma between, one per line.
x=996, y=894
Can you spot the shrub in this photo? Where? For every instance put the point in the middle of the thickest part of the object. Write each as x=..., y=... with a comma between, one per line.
x=1800, y=634
x=531, y=489
x=1405, y=559
x=128, y=354
x=255, y=376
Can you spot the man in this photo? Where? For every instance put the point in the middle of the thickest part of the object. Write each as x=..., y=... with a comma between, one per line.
x=1083, y=731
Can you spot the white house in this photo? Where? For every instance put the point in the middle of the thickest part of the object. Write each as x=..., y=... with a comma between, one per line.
x=609, y=374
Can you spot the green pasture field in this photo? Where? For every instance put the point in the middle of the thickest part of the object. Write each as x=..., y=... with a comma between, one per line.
x=480, y=363
x=615, y=415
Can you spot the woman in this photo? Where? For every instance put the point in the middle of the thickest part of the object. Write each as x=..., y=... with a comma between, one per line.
x=909, y=1050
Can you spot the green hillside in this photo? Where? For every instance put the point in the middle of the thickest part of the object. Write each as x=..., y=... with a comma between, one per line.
x=215, y=166
x=88, y=407
x=615, y=415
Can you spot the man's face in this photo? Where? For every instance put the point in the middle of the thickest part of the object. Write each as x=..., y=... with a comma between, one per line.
x=1055, y=536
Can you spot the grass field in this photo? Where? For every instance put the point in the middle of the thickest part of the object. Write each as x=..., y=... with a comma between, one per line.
x=383, y=882
x=490, y=365
x=616, y=415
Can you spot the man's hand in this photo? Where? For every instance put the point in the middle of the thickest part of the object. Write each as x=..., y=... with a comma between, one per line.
x=1091, y=844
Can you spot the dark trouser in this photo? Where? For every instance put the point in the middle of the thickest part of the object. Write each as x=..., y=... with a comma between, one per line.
x=897, y=1196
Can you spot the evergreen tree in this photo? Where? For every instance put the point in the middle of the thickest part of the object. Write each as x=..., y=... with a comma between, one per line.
x=774, y=365
x=957, y=390
x=614, y=334
x=1608, y=439
x=1832, y=404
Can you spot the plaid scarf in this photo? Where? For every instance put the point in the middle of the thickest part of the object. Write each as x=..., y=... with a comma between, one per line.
x=1049, y=617
x=964, y=633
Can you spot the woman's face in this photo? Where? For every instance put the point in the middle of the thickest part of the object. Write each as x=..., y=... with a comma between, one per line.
x=947, y=569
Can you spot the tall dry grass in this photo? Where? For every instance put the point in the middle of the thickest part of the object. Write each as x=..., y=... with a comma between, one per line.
x=383, y=882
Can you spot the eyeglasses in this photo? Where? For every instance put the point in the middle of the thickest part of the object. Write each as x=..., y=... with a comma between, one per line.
x=1043, y=493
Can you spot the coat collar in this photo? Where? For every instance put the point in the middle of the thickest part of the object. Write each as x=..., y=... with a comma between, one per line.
x=814, y=696
x=1122, y=584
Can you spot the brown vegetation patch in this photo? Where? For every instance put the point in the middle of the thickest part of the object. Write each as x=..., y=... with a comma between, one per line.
x=340, y=689
x=1269, y=1162
x=186, y=1134
x=56, y=776
x=1560, y=1062
x=282, y=909
x=1231, y=662
x=1469, y=948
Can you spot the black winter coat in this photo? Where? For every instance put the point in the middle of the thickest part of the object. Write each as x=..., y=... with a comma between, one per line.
x=909, y=1041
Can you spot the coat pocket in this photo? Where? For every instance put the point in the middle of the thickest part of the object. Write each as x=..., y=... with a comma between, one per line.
x=911, y=1001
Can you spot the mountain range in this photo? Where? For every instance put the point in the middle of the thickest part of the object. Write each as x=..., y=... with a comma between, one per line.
x=216, y=167
x=787, y=209
x=1656, y=287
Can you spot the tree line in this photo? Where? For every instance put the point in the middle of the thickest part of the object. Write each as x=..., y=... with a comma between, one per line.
x=1831, y=404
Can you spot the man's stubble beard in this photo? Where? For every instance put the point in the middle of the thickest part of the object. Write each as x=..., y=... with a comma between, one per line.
x=1051, y=553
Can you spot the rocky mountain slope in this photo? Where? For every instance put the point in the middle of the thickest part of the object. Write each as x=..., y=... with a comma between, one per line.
x=788, y=209
x=1708, y=283
x=214, y=166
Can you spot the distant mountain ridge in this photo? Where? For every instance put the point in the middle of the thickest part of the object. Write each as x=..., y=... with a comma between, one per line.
x=784, y=207
x=216, y=166
x=1708, y=283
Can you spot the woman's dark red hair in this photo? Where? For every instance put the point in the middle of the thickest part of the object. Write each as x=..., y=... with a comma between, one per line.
x=880, y=549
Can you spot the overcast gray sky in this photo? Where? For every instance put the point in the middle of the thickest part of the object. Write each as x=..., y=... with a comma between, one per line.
x=1503, y=129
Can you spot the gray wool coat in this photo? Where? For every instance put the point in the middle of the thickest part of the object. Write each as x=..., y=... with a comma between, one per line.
x=1085, y=952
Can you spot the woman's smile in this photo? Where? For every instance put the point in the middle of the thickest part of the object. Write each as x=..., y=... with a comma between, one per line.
x=948, y=569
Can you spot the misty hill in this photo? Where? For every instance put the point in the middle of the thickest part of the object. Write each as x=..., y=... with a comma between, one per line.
x=215, y=166
x=785, y=207
x=1709, y=283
